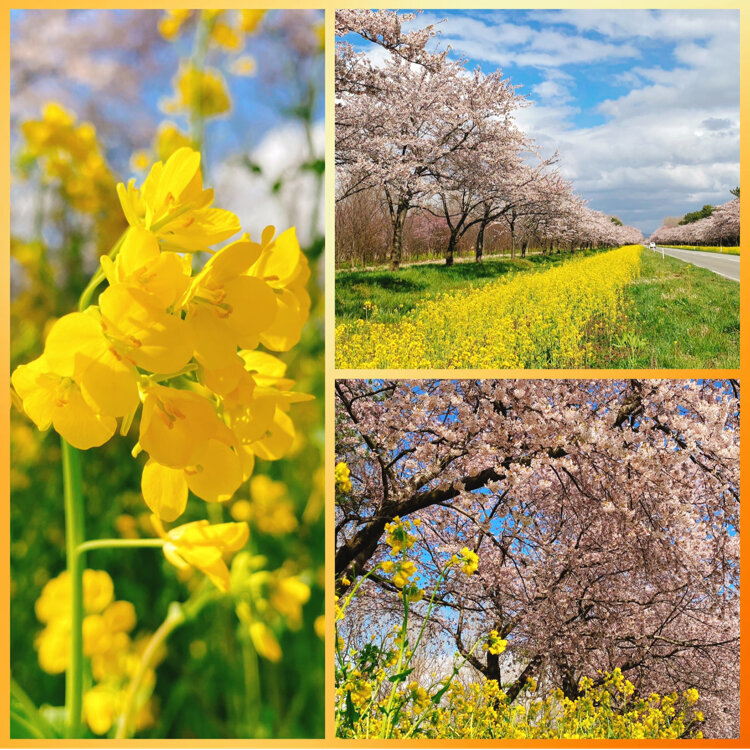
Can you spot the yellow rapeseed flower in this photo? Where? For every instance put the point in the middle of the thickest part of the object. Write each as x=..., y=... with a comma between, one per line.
x=470, y=561
x=201, y=91
x=542, y=319
x=244, y=65
x=52, y=399
x=169, y=138
x=250, y=20
x=202, y=545
x=341, y=476
x=174, y=206
x=171, y=23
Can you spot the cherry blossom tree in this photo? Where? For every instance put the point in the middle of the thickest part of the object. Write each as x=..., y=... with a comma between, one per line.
x=722, y=227
x=435, y=137
x=605, y=515
x=403, y=125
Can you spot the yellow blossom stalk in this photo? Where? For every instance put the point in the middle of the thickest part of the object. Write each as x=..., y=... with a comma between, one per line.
x=201, y=545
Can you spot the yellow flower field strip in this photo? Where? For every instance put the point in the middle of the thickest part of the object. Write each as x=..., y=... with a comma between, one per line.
x=545, y=319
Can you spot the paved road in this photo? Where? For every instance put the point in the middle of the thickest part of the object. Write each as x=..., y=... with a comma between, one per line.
x=725, y=265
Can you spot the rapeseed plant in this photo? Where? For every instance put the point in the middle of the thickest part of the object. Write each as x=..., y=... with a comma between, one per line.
x=373, y=698
x=545, y=319
x=181, y=346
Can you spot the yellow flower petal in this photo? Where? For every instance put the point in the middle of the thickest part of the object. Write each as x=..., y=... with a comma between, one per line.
x=265, y=641
x=77, y=422
x=154, y=340
x=214, y=342
x=176, y=426
x=217, y=475
x=279, y=439
x=165, y=490
x=202, y=545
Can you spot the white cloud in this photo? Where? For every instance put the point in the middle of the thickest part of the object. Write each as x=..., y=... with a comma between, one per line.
x=669, y=143
x=650, y=24
x=249, y=195
x=503, y=43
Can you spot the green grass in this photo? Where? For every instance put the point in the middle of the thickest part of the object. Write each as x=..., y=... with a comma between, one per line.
x=395, y=293
x=682, y=317
x=707, y=249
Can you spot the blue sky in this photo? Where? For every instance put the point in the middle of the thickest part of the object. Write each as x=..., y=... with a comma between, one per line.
x=643, y=105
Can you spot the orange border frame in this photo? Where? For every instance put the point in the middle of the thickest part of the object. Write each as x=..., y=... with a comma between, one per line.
x=332, y=373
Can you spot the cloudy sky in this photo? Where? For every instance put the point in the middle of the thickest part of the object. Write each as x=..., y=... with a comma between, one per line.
x=643, y=105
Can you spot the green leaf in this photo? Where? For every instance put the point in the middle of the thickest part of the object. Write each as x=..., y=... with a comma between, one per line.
x=440, y=693
x=401, y=676
x=318, y=166
x=26, y=721
x=351, y=712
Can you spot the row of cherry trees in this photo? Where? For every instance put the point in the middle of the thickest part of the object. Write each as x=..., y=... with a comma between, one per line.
x=605, y=515
x=722, y=227
x=422, y=132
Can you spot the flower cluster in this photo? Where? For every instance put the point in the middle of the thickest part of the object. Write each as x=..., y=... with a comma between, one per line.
x=543, y=319
x=225, y=31
x=495, y=644
x=397, y=535
x=268, y=509
x=405, y=569
x=69, y=157
x=201, y=91
x=69, y=153
x=266, y=601
x=107, y=641
x=482, y=710
x=341, y=477
x=467, y=559
x=183, y=346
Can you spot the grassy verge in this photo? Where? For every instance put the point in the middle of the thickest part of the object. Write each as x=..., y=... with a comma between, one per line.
x=391, y=295
x=682, y=317
x=707, y=249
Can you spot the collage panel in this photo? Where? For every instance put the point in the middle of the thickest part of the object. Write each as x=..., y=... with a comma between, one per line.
x=166, y=303
x=471, y=473
x=537, y=559
x=535, y=189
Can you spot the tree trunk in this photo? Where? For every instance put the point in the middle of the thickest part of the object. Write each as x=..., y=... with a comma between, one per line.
x=399, y=216
x=524, y=245
x=479, y=250
x=452, y=242
x=512, y=226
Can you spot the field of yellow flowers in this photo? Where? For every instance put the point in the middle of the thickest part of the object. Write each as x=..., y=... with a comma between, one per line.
x=377, y=696
x=166, y=441
x=550, y=318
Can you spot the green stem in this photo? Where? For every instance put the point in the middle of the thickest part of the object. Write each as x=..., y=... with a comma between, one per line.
x=76, y=561
x=385, y=732
x=252, y=684
x=177, y=615
x=85, y=299
x=175, y=618
x=200, y=49
x=119, y=543
x=427, y=616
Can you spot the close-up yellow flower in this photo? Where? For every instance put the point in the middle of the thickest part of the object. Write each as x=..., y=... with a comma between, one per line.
x=173, y=205
x=203, y=546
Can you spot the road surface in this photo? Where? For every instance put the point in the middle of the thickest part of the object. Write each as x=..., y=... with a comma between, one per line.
x=725, y=265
